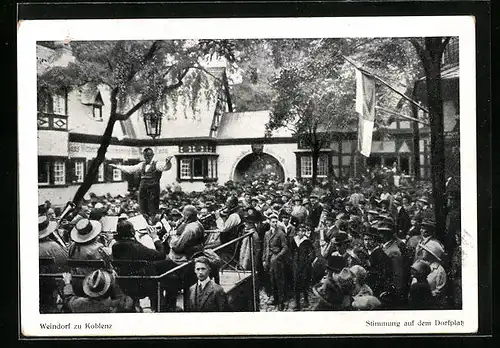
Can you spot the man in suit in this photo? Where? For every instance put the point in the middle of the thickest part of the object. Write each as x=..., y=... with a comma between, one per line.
x=397, y=280
x=379, y=264
x=403, y=221
x=273, y=259
x=205, y=295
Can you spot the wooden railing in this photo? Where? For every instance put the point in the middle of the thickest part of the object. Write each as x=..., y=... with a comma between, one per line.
x=138, y=264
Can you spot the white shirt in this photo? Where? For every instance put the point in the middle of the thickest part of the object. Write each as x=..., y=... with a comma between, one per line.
x=202, y=284
x=136, y=168
x=146, y=240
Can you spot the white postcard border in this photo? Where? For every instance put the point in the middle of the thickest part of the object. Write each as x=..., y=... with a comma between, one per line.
x=285, y=323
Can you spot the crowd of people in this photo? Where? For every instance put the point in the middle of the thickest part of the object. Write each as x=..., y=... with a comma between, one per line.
x=355, y=244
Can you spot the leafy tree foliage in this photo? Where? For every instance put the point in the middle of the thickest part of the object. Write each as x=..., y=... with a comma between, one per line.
x=139, y=74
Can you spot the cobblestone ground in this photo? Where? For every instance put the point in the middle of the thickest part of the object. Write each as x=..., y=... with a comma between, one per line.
x=264, y=307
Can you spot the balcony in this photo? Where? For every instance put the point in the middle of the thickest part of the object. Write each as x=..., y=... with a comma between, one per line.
x=46, y=121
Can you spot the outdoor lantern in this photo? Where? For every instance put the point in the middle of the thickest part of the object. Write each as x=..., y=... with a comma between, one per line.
x=152, y=121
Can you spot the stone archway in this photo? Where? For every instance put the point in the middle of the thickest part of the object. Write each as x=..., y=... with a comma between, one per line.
x=258, y=163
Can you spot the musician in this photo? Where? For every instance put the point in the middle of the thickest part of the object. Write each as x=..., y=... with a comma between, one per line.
x=150, y=172
x=188, y=238
x=228, y=229
x=127, y=247
x=48, y=246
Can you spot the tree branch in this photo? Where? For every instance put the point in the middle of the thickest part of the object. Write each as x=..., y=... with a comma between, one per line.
x=207, y=72
x=423, y=54
x=148, y=99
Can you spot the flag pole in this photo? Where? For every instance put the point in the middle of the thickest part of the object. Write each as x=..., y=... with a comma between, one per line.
x=400, y=115
x=386, y=84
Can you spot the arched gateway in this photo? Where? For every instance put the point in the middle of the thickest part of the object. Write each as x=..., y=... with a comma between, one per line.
x=258, y=163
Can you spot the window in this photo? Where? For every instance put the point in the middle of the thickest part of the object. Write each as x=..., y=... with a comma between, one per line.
x=198, y=168
x=59, y=173
x=59, y=104
x=117, y=174
x=97, y=112
x=450, y=55
x=185, y=169
x=306, y=166
x=322, y=166
x=404, y=124
x=79, y=171
x=212, y=168
x=43, y=171
x=100, y=173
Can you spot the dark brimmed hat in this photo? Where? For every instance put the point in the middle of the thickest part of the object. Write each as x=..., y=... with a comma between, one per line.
x=373, y=232
x=250, y=215
x=428, y=224
x=335, y=263
x=45, y=226
x=97, y=283
x=85, y=230
x=341, y=238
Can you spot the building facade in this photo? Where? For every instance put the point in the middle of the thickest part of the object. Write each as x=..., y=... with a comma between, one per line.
x=208, y=143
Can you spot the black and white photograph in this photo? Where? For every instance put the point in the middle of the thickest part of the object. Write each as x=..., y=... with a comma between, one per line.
x=251, y=168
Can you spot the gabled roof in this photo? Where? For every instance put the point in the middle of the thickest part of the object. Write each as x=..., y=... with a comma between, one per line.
x=44, y=58
x=251, y=124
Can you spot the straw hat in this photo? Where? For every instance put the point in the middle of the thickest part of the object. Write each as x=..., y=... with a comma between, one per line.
x=85, y=230
x=435, y=249
x=97, y=283
x=366, y=302
x=45, y=226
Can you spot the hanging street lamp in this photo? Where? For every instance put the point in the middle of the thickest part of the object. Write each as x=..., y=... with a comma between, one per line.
x=152, y=122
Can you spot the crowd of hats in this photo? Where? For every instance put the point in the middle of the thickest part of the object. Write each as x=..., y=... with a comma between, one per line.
x=273, y=198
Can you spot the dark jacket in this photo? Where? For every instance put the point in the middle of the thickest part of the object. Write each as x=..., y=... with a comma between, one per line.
x=211, y=299
x=116, y=303
x=274, y=245
x=403, y=222
x=397, y=271
x=131, y=249
x=379, y=271
x=314, y=215
x=302, y=258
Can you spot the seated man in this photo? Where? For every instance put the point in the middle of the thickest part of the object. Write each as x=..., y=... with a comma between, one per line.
x=127, y=247
x=102, y=295
x=187, y=241
x=205, y=295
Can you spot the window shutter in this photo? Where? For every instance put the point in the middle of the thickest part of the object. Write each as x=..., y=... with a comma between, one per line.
x=51, y=171
x=70, y=171
x=108, y=171
x=89, y=164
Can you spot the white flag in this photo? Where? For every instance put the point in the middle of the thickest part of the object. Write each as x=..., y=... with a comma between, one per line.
x=365, y=106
